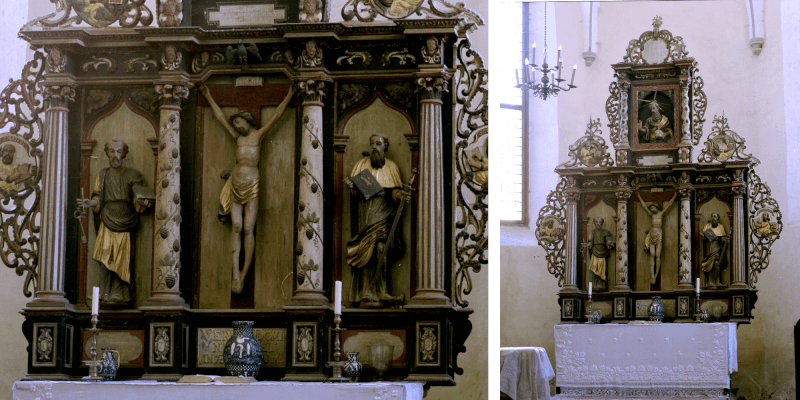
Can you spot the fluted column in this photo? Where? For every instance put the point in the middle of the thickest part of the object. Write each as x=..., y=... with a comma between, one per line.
x=166, y=271
x=50, y=284
x=685, y=240
x=623, y=195
x=685, y=145
x=309, y=264
x=739, y=278
x=430, y=216
x=571, y=239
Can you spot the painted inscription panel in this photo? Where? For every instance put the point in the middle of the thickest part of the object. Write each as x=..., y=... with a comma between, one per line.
x=210, y=343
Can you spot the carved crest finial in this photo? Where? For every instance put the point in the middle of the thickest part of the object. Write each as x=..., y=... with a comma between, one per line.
x=590, y=150
x=656, y=23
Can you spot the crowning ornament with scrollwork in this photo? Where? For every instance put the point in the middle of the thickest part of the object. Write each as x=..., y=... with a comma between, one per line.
x=367, y=10
x=675, y=49
x=21, y=108
x=590, y=150
x=471, y=187
x=128, y=13
x=723, y=144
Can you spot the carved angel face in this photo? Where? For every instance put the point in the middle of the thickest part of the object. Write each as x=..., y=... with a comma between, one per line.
x=171, y=54
x=431, y=45
x=311, y=49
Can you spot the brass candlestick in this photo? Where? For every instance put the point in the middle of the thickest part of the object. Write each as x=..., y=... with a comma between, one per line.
x=336, y=364
x=94, y=363
x=589, y=316
x=698, y=313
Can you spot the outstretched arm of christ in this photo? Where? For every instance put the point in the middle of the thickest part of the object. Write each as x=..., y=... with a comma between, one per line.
x=643, y=204
x=670, y=202
x=218, y=112
x=277, y=115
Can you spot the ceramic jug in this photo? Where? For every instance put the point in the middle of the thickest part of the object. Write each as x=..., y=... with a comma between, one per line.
x=110, y=365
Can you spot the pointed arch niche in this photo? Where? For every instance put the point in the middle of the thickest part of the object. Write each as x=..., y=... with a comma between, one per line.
x=376, y=115
x=127, y=124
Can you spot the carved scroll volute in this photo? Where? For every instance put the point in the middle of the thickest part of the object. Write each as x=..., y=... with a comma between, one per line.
x=551, y=229
x=590, y=150
x=617, y=113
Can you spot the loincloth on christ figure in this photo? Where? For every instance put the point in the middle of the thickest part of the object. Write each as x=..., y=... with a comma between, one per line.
x=238, y=192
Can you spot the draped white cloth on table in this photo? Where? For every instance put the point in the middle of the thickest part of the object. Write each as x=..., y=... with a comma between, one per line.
x=525, y=373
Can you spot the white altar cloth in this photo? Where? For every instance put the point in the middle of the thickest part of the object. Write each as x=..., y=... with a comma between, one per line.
x=525, y=373
x=137, y=390
x=658, y=360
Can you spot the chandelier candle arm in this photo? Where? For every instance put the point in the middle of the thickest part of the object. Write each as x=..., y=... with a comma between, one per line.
x=559, y=69
x=533, y=54
x=571, y=81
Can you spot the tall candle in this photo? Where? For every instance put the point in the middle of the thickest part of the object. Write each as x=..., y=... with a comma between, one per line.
x=559, y=68
x=590, y=288
x=698, y=286
x=574, y=68
x=337, y=298
x=533, y=54
x=95, y=299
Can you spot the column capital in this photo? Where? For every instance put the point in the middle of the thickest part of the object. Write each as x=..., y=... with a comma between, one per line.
x=173, y=94
x=311, y=90
x=623, y=196
x=431, y=88
x=59, y=95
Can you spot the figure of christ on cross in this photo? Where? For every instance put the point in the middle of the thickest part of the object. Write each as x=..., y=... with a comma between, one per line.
x=239, y=196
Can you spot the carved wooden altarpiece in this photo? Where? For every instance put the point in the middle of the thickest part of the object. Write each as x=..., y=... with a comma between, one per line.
x=656, y=113
x=102, y=72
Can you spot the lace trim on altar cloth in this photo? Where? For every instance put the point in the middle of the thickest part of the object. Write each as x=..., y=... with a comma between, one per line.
x=636, y=394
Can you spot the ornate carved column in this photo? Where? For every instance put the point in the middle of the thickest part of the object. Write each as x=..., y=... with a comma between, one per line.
x=571, y=237
x=624, y=147
x=685, y=241
x=167, y=222
x=309, y=264
x=685, y=145
x=430, y=239
x=50, y=286
x=623, y=195
x=739, y=263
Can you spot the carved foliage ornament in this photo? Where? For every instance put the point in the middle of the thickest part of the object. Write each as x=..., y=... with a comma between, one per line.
x=21, y=108
x=350, y=94
x=128, y=13
x=471, y=168
x=550, y=229
x=723, y=144
x=366, y=58
x=699, y=103
x=655, y=47
x=590, y=150
x=367, y=10
x=96, y=62
x=145, y=62
x=403, y=57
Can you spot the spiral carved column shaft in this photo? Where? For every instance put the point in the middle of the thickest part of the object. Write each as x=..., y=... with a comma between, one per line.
x=621, y=283
x=685, y=242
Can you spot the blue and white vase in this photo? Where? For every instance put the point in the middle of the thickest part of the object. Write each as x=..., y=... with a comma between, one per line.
x=656, y=310
x=242, y=353
x=352, y=369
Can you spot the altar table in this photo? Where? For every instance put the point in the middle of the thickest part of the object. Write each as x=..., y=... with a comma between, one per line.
x=136, y=390
x=647, y=361
x=525, y=373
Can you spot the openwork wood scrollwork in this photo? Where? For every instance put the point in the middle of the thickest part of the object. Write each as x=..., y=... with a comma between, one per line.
x=590, y=150
x=612, y=111
x=550, y=230
x=699, y=104
x=21, y=127
x=472, y=167
x=765, y=224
